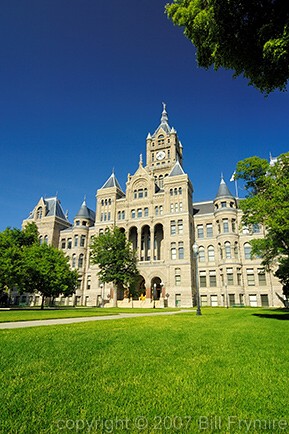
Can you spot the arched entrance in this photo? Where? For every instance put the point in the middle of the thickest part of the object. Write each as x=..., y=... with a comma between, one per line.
x=156, y=288
x=138, y=289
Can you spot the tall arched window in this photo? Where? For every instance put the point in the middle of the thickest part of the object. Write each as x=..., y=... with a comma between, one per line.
x=211, y=254
x=39, y=213
x=80, y=261
x=46, y=239
x=228, y=250
x=73, y=262
x=247, y=250
x=202, y=254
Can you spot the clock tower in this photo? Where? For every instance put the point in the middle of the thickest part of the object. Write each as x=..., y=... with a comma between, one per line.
x=163, y=148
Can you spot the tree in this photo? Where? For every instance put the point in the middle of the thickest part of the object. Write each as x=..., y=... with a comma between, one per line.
x=249, y=37
x=47, y=271
x=267, y=203
x=116, y=259
x=12, y=245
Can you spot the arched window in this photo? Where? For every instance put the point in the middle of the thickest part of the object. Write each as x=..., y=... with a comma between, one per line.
x=41, y=239
x=202, y=257
x=211, y=254
x=82, y=241
x=75, y=240
x=236, y=252
x=181, y=250
x=80, y=261
x=46, y=239
x=173, y=251
x=180, y=190
x=73, y=262
x=228, y=250
x=39, y=213
x=247, y=250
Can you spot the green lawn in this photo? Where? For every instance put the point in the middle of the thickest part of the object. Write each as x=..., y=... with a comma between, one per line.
x=37, y=314
x=223, y=372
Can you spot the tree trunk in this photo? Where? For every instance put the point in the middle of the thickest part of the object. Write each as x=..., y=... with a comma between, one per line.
x=114, y=295
x=42, y=302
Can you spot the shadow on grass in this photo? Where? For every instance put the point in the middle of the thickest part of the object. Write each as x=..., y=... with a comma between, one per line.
x=279, y=314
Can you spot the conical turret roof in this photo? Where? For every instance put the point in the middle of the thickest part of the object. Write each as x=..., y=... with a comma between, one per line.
x=223, y=190
x=85, y=212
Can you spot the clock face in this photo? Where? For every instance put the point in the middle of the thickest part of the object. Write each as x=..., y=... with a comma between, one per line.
x=160, y=155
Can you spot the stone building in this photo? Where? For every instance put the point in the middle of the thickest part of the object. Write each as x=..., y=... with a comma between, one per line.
x=159, y=217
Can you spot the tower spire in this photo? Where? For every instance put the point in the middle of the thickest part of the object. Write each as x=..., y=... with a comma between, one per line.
x=164, y=118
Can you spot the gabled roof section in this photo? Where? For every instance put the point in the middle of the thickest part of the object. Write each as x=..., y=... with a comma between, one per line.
x=177, y=170
x=223, y=190
x=112, y=182
x=164, y=122
x=54, y=208
x=85, y=212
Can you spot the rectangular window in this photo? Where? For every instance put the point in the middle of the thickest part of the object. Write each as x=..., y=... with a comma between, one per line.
x=146, y=212
x=214, y=300
x=161, y=210
x=69, y=243
x=232, y=299
x=256, y=228
x=88, y=285
x=203, y=279
x=209, y=230
x=213, y=278
x=223, y=204
x=250, y=277
x=82, y=241
x=172, y=208
x=139, y=213
x=63, y=243
x=180, y=227
x=173, y=227
x=253, y=300
x=233, y=225
x=239, y=281
x=204, y=300
x=156, y=210
x=181, y=206
x=264, y=300
x=133, y=213
x=176, y=207
x=230, y=276
x=225, y=226
x=200, y=231
x=177, y=276
x=261, y=277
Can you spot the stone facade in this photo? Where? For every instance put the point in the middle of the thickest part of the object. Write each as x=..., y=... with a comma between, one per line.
x=158, y=215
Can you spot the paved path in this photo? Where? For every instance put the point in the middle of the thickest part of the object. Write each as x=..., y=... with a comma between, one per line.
x=58, y=321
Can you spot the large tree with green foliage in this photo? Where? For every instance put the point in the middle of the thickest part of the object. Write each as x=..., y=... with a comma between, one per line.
x=47, y=271
x=251, y=37
x=267, y=203
x=116, y=259
x=13, y=243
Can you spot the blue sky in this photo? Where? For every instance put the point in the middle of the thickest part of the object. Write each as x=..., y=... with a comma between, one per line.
x=82, y=82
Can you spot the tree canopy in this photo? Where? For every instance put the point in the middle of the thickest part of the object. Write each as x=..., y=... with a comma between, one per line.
x=12, y=245
x=48, y=272
x=116, y=259
x=267, y=203
x=29, y=267
x=249, y=37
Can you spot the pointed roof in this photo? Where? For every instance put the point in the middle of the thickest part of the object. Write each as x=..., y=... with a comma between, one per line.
x=164, y=122
x=85, y=212
x=223, y=190
x=177, y=170
x=111, y=182
x=52, y=208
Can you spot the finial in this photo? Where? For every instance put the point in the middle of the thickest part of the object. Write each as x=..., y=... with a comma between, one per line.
x=222, y=177
x=164, y=118
x=112, y=171
x=140, y=159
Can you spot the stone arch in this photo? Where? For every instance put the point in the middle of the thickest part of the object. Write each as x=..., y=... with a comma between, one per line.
x=156, y=288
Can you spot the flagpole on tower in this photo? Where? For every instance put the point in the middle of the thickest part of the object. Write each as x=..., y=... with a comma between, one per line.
x=233, y=178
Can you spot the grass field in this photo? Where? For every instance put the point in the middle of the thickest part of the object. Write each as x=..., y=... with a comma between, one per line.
x=223, y=372
x=37, y=314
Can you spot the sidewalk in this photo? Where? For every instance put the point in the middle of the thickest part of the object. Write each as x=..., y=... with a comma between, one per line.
x=59, y=321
